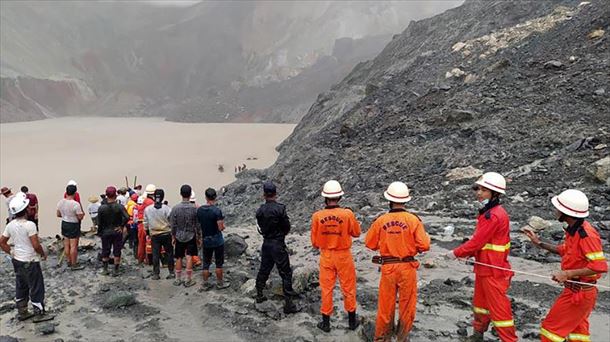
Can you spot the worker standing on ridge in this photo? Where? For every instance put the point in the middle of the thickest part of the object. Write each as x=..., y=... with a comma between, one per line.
x=25, y=257
x=92, y=209
x=196, y=259
x=132, y=229
x=156, y=221
x=186, y=235
x=76, y=194
x=71, y=214
x=582, y=260
x=332, y=229
x=32, y=212
x=274, y=225
x=147, y=200
x=8, y=195
x=398, y=236
x=212, y=224
x=122, y=196
x=112, y=218
x=490, y=244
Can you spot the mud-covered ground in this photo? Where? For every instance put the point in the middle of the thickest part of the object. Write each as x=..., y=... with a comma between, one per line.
x=132, y=307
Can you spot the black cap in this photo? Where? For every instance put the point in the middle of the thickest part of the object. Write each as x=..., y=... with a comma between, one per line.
x=269, y=188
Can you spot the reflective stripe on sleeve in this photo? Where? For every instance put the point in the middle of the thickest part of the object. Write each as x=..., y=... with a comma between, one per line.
x=579, y=337
x=594, y=256
x=496, y=248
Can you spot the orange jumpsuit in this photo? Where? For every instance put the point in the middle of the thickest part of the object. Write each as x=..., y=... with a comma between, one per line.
x=490, y=244
x=141, y=230
x=332, y=230
x=397, y=234
x=568, y=319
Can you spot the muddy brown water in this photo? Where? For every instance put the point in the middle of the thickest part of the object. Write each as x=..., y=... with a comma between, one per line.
x=96, y=152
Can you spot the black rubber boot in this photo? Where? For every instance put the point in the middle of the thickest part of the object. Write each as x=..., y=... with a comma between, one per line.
x=352, y=320
x=22, y=310
x=116, y=271
x=475, y=337
x=260, y=297
x=289, y=307
x=291, y=293
x=324, y=325
x=41, y=316
x=105, y=268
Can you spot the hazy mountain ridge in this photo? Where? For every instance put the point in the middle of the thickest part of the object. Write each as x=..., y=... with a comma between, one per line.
x=199, y=63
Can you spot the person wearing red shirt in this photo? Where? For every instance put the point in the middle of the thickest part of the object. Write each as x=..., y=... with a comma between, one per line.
x=582, y=260
x=144, y=202
x=32, y=210
x=332, y=230
x=76, y=195
x=490, y=244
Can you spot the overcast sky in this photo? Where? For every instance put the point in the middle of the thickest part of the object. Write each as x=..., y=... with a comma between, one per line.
x=173, y=2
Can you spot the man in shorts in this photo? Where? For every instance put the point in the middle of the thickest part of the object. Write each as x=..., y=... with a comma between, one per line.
x=112, y=218
x=186, y=235
x=71, y=214
x=212, y=224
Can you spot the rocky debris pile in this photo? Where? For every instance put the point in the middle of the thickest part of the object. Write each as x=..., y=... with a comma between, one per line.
x=142, y=309
x=510, y=108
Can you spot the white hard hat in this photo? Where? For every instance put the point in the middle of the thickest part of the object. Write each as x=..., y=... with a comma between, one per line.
x=18, y=204
x=140, y=200
x=397, y=192
x=493, y=181
x=572, y=203
x=150, y=189
x=332, y=189
x=72, y=182
x=193, y=197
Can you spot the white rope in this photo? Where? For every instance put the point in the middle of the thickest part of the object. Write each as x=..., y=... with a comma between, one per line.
x=519, y=272
x=532, y=274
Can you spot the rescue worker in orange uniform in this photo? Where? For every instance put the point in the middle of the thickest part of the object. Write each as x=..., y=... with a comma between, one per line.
x=142, y=234
x=490, y=244
x=332, y=230
x=582, y=260
x=398, y=236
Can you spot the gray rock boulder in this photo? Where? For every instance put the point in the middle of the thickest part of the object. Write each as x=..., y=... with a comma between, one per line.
x=248, y=289
x=118, y=300
x=304, y=278
x=5, y=338
x=45, y=329
x=601, y=170
x=537, y=223
x=235, y=246
x=463, y=173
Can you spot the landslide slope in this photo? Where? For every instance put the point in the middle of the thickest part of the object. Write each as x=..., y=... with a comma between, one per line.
x=519, y=88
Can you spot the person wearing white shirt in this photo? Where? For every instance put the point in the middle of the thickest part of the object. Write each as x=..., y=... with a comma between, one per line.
x=122, y=197
x=25, y=256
